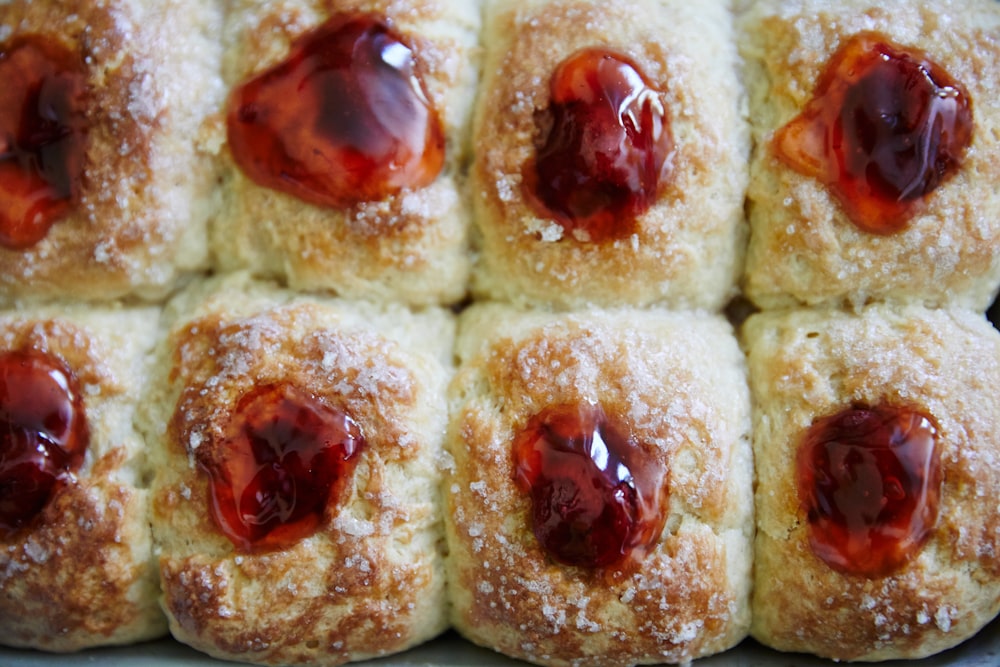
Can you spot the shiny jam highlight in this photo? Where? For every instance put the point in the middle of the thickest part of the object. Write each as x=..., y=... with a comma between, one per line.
x=43, y=434
x=285, y=458
x=601, y=154
x=42, y=137
x=869, y=480
x=343, y=119
x=885, y=127
x=597, y=496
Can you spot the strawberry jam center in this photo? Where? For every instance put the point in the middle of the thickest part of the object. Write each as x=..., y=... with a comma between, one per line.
x=42, y=133
x=870, y=482
x=601, y=157
x=886, y=126
x=597, y=495
x=285, y=458
x=343, y=119
x=43, y=434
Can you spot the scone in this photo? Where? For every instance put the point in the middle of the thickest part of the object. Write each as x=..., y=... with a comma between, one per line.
x=106, y=183
x=296, y=503
x=346, y=137
x=76, y=559
x=873, y=177
x=610, y=154
x=876, y=447
x=599, y=508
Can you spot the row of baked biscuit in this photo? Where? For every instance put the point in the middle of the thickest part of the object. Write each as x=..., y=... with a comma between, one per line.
x=157, y=112
x=204, y=424
x=158, y=141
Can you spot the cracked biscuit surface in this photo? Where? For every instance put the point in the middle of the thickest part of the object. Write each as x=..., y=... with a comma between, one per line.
x=82, y=572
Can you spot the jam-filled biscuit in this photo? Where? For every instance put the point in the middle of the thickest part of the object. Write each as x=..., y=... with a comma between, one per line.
x=599, y=510
x=875, y=127
x=876, y=445
x=610, y=154
x=346, y=134
x=106, y=178
x=76, y=558
x=297, y=447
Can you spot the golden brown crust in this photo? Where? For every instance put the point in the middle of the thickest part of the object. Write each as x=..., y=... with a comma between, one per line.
x=802, y=247
x=813, y=363
x=82, y=574
x=139, y=225
x=410, y=247
x=371, y=580
x=687, y=249
x=677, y=382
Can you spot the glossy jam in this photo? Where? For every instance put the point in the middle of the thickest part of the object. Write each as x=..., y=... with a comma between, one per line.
x=43, y=433
x=42, y=137
x=601, y=154
x=286, y=457
x=886, y=126
x=597, y=496
x=870, y=482
x=343, y=119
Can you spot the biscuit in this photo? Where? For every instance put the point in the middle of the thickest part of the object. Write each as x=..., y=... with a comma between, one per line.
x=79, y=570
x=808, y=365
x=686, y=248
x=408, y=245
x=368, y=578
x=136, y=224
x=675, y=383
x=804, y=248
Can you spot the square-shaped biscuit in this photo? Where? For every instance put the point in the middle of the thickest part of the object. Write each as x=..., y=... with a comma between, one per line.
x=410, y=245
x=368, y=578
x=81, y=571
x=809, y=366
x=136, y=224
x=803, y=248
x=674, y=386
x=686, y=249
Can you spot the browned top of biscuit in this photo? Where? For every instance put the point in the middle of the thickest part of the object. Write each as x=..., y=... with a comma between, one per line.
x=688, y=596
x=686, y=248
x=803, y=248
x=151, y=79
x=370, y=580
x=81, y=573
x=809, y=364
x=217, y=361
x=410, y=246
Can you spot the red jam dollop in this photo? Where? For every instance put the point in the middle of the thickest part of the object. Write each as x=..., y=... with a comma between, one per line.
x=43, y=433
x=597, y=495
x=870, y=483
x=601, y=155
x=42, y=137
x=885, y=127
x=342, y=120
x=286, y=456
